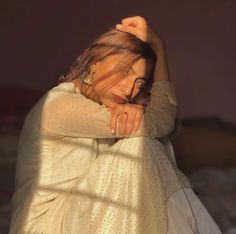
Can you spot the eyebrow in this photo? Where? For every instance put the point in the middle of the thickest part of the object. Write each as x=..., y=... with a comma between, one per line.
x=140, y=77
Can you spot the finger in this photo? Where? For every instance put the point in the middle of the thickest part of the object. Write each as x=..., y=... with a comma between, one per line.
x=122, y=123
x=130, y=21
x=138, y=119
x=113, y=120
x=130, y=124
x=126, y=28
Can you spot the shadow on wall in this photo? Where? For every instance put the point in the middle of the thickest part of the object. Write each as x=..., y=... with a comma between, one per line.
x=205, y=142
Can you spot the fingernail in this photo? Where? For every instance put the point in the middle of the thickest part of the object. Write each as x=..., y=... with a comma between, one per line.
x=118, y=26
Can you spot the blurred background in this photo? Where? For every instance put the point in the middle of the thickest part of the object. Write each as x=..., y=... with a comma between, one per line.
x=40, y=39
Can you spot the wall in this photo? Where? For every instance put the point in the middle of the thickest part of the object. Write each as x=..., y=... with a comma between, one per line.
x=40, y=39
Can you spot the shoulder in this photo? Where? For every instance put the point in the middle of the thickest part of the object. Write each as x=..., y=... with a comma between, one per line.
x=64, y=100
x=58, y=95
x=65, y=92
x=65, y=88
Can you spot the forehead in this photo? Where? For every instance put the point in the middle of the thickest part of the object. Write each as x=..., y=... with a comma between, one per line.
x=142, y=67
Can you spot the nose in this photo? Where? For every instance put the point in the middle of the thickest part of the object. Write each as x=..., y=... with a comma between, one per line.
x=127, y=87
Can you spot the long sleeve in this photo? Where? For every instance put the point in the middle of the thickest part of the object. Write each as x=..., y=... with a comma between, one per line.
x=71, y=114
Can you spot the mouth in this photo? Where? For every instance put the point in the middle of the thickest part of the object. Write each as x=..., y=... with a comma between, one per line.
x=118, y=98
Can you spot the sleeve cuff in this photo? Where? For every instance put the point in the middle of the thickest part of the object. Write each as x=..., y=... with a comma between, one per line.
x=165, y=87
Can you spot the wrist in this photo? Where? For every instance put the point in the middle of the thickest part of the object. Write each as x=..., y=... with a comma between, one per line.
x=158, y=46
x=156, y=43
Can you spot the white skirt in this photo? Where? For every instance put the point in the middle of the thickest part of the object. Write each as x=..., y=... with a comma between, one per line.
x=186, y=213
x=131, y=188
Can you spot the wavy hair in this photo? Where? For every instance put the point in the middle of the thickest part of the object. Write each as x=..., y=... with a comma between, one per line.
x=113, y=42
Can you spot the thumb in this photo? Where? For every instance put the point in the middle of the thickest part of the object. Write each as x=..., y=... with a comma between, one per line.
x=126, y=28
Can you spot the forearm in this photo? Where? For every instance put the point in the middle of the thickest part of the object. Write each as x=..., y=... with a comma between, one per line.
x=161, y=71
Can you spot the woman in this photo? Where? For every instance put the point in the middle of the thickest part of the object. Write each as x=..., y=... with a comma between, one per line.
x=94, y=155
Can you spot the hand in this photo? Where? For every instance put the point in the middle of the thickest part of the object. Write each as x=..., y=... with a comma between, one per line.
x=129, y=117
x=139, y=27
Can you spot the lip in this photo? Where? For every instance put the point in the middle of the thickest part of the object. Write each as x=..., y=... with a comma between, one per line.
x=118, y=98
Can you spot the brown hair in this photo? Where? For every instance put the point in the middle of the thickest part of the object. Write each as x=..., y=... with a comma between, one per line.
x=110, y=43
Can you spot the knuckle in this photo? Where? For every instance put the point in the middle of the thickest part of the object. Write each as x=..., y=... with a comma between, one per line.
x=123, y=115
x=140, y=18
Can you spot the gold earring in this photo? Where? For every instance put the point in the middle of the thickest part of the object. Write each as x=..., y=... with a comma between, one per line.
x=89, y=79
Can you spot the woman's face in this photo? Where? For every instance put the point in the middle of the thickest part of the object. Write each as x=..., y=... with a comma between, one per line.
x=129, y=85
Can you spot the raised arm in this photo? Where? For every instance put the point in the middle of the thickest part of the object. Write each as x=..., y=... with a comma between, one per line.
x=164, y=122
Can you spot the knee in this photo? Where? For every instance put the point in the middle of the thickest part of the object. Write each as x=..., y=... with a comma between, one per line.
x=136, y=141
x=137, y=145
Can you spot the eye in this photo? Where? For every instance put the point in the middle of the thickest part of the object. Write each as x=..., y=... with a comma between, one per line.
x=140, y=83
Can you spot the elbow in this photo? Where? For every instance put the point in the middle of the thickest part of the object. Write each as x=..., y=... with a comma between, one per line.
x=168, y=127
x=164, y=126
x=156, y=125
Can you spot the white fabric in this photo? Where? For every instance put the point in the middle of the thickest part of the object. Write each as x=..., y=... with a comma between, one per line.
x=187, y=215
x=73, y=176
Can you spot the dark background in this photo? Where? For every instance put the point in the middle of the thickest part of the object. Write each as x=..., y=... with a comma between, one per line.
x=40, y=39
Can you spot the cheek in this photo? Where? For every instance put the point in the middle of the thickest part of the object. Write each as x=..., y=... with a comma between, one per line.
x=113, y=85
x=136, y=91
x=105, y=85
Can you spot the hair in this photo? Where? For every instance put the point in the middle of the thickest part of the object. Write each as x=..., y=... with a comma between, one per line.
x=113, y=42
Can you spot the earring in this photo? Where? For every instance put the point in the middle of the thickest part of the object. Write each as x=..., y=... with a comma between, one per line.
x=89, y=79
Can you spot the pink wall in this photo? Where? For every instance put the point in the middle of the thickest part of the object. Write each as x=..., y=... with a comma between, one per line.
x=41, y=39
